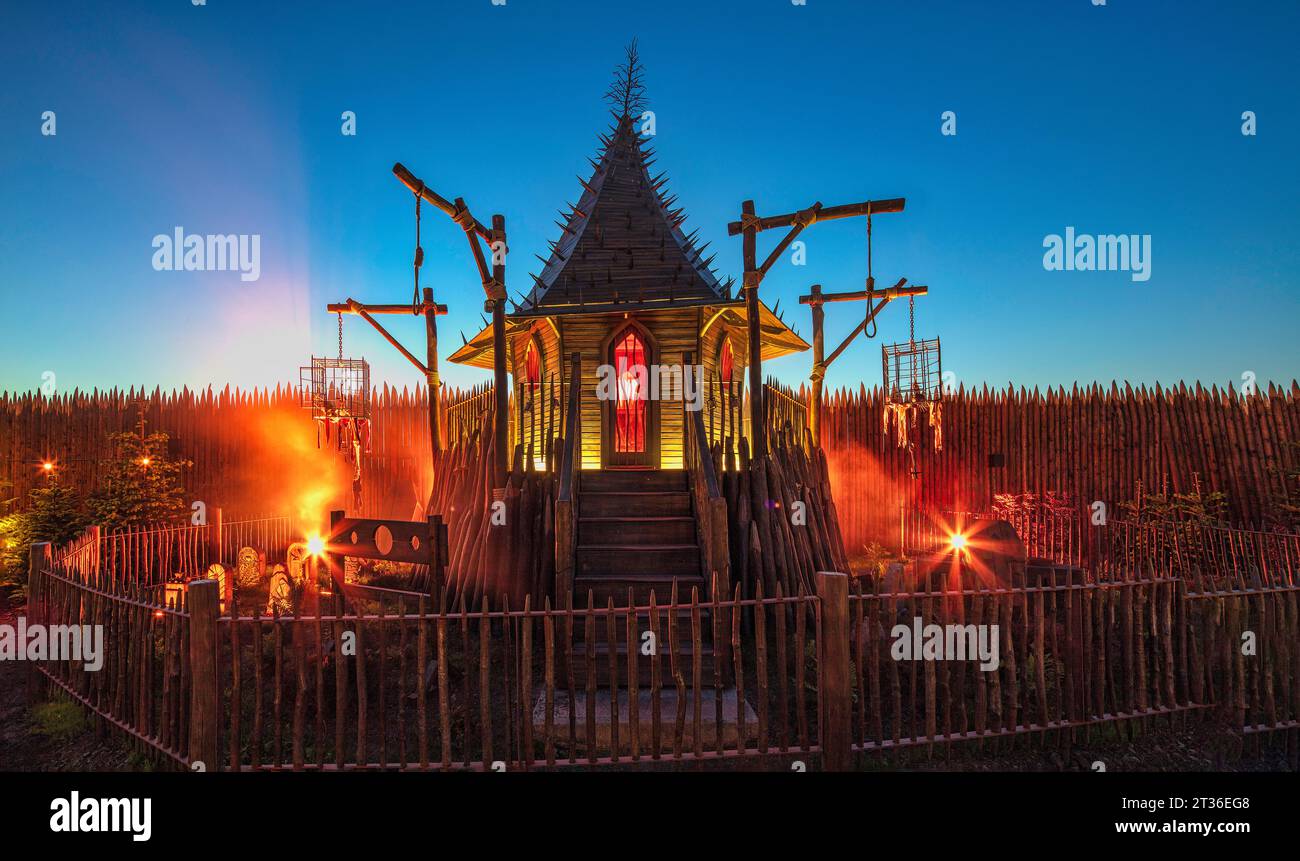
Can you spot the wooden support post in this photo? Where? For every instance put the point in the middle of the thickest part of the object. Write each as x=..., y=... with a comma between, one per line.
x=819, y=365
x=752, y=278
x=40, y=558
x=335, y=563
x=431, y=376
x=564, y=555
x=203, y=598
x=216, y=534
x=833, y=662
x=438, y=552
x=499, y=426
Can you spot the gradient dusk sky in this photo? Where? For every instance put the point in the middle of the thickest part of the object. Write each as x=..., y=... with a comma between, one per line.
x=225, y=118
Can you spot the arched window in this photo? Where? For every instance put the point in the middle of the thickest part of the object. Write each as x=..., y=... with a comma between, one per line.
x=631, y=377
x=533, y=362
x=726, y=362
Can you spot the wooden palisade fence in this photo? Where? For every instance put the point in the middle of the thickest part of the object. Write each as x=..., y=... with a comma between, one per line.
x=813, y=672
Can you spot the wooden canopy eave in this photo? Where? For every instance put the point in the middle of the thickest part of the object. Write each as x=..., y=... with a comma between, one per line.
x=777, y=338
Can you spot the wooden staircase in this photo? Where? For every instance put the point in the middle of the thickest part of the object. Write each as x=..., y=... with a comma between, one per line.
x=636, y=531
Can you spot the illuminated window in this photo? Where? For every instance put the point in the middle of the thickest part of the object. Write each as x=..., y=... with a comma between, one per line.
x=630, y=415
x=726, y=363
x=533, y=363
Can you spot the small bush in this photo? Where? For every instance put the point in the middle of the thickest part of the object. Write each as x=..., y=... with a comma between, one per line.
x=59, y=721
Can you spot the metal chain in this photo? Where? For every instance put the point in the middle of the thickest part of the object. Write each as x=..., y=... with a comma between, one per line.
x=340, y=334
x=911, y=320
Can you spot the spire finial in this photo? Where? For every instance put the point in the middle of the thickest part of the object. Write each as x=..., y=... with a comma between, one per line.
x=627, y=93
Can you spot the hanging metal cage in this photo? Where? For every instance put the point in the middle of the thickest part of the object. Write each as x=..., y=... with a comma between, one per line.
x=913, y=372
x=335, y=388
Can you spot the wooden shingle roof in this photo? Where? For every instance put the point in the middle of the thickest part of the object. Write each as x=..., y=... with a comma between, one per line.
x=622, y=244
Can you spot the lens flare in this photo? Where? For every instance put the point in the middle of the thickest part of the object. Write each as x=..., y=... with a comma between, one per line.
x=315, y=545
x=958, y=541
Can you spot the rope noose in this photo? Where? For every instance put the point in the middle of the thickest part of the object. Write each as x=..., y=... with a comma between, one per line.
x=419, y=254
x=871, y=282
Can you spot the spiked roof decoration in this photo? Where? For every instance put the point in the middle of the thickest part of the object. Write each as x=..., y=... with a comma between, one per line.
x=621, y=246
x=623, y=241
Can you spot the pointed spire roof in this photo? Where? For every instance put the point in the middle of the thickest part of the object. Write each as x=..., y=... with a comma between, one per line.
x=623, y=242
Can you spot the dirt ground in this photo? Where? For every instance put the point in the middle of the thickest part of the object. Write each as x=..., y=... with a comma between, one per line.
x=24, y=748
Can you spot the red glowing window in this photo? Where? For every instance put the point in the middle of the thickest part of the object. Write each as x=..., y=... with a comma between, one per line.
x=533, y=363
x=630, y=415
x=726, y=364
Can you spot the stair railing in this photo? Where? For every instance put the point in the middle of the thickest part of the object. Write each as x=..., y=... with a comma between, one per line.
x=706, y=490
x=570, y=463
x=710, y=512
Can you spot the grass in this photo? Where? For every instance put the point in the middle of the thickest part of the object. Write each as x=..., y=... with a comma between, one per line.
x=59, y=721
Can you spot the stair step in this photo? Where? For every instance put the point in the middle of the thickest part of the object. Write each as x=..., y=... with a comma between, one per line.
x=634, y=504
x=630, y=480
x=606, y=585
x=636, y=530
x=681, y=560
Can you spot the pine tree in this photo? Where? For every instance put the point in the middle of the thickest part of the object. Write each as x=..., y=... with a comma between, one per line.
x=141, y=486
x=57, y=514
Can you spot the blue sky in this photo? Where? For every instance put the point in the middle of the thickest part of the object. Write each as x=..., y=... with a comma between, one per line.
x=225, y=118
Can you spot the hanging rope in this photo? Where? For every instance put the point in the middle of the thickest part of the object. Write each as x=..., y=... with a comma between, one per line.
x=871, y=282
x=419, y=254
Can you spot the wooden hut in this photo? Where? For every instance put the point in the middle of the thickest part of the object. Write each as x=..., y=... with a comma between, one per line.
x=626, y=287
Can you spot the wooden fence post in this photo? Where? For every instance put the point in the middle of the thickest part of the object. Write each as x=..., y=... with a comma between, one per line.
x=216, y=533
x=438, y=561
x=833, y=668
x=202, y=599
x=40, y=558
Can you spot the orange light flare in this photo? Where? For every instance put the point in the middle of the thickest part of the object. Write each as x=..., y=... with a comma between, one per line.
x=315, y=545
x=47, y=467
x=963, y=538
x=145, y=461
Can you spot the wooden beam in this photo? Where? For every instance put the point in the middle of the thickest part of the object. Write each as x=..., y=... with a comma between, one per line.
x=365, y=315
x=896, y=292
x=422, y=308
x=431, y=376
x=848, y=210
x=862, y=324
x=417, y=185
x=818, y=366
x=757, y=429
x=502, y=393
x=807, y=217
